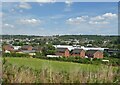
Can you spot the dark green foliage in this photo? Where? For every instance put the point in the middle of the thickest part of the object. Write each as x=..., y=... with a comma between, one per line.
x=15, y=55
x=48, y=49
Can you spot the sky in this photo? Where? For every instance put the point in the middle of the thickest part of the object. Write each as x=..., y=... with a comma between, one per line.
x=59, y=18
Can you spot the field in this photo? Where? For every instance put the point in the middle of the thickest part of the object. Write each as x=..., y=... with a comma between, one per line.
x=45, y=71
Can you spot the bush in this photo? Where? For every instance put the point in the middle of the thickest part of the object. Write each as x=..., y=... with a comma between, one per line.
x=15, y=55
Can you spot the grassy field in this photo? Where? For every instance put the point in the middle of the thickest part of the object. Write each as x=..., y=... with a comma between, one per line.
x=38, y=64
x=66, y=72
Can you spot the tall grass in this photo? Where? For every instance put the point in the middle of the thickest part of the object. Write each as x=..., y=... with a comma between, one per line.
x=13, y=73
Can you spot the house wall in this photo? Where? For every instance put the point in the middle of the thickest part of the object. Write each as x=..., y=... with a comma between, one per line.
x=82, y=54
x=75, y=54
x=29, y=48
x=60, y=54
x=98, y=55
x=9, y=48
x=67, y=54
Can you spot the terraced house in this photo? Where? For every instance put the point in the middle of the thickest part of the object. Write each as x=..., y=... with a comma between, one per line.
x=78, y=52
x=94, y=54
x=63, y=52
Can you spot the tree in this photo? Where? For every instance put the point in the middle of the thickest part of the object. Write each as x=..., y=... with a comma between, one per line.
x=48, y=49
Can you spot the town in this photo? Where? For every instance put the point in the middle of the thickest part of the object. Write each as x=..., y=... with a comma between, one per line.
x=61, y=46
x=59, y=42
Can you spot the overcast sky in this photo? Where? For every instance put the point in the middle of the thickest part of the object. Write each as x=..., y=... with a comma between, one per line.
x=60, y=18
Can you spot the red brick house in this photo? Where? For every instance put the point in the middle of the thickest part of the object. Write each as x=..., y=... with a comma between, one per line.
x=94, y=54
x=78, y=52
x=62, y=52
x=8, y=48
x=26, y=47
x=37, y=49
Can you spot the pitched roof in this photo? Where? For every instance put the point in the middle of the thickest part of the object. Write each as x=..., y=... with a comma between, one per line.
x=77, y=50
x=91, y=52
x=37, y=48
x=61, y=49
x=8, y=46
x=25, y=46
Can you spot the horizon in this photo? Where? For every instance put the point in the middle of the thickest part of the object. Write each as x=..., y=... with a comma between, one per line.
x=56, y=35
x=60, y=18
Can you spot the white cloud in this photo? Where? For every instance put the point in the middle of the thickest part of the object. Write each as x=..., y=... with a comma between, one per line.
x=30, y=21
x=46, y=1
x=68, y=2
x=68, y=5
x=97, y=18
x=8, y=25
x=77, y=20
x=110, y=15
x=96, y=22
x=24, y=5
x=103, y=19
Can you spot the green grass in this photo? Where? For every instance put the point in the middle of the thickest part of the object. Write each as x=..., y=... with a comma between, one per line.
x=38, y=64
x=48, y=71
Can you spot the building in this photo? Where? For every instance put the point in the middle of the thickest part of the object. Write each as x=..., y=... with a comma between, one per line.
x=63, y=52
x=17, y=47
x=93, y=48
x=111, y=52
x=53, y=56
x=78, y=52
x=37, y=49
x=94, y=54
x=26, y=47
x=70, y=47
x=30, y=52
x=8, y=48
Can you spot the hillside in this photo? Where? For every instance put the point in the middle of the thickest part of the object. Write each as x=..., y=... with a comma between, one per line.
x=46, y=71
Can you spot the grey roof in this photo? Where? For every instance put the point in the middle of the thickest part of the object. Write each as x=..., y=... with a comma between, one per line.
x=61, y=49
x=25, y=46
x=37, y=48
x=91, y=52
x=27, y=51
x=77, y=50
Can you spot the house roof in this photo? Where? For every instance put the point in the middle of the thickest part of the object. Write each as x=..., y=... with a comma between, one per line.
x=26, y=46
x=61, y=49
x=64, y=46
x=36, y=48
x=8, y=46
x=91, y=52
x=26, y=51
x=77, y=50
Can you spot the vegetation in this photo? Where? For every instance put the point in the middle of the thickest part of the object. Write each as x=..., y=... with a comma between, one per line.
x=48, y=50
x=32, y=70
x=112, y=61
x=95, y=40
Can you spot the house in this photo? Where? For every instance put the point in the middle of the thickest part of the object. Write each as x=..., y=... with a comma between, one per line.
x=8, y=48
x=70, y=47
x=62, y=52
x=30, y=52
x=112, y=51
x=94, y=54
x=78, y=52
x=37, y=49
x=17, y=47
x=26, y=47
x=53, y=56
